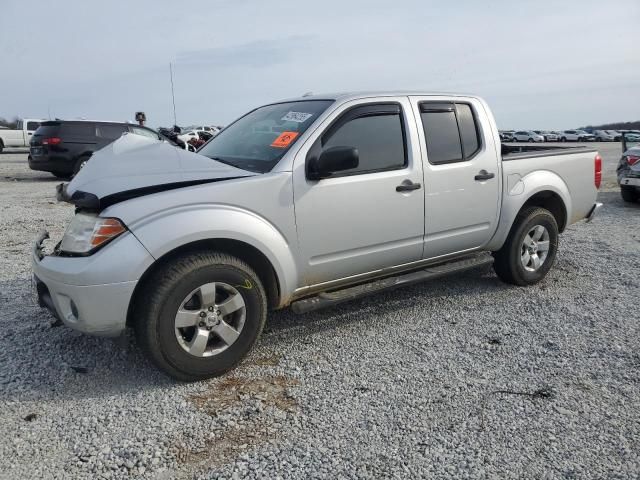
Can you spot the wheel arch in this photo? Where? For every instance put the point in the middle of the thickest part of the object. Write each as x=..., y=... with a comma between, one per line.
x=542, y=189
x=256, y=259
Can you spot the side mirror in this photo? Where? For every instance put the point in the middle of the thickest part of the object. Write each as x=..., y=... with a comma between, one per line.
x=331, y=160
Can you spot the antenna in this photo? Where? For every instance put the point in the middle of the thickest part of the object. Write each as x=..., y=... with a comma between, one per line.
x=175, y=121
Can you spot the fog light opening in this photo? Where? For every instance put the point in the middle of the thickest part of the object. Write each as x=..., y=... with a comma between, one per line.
x=74, y=309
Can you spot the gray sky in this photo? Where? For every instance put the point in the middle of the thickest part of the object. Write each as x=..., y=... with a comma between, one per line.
x=539, y=64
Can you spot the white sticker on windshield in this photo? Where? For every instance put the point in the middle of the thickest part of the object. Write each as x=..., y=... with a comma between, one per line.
x=297, y=117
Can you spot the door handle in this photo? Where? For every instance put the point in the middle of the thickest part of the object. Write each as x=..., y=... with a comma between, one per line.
x=484, y=175
x=407, y=186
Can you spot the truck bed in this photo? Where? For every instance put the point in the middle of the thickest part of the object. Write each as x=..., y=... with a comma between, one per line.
x=519, y=152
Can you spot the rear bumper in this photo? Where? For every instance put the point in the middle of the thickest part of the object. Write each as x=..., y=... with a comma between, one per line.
x=630, y=182
x=46, y=163
x=80, y=291
x=592, y=213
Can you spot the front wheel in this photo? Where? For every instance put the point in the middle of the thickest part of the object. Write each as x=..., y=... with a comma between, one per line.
x=200, y=315
x=530, y=249
x=629, y=194
x=530, y=140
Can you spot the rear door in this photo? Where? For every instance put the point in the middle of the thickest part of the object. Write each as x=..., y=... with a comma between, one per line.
x=370, y=217
x=108, y=132
x=461, y=174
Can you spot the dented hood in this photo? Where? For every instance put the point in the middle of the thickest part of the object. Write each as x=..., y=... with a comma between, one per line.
x=135, y=165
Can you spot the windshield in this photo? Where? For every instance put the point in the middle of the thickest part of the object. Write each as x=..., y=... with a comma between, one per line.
x=257, y=141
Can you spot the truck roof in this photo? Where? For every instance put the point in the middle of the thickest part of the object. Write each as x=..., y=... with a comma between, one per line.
x=346, y=96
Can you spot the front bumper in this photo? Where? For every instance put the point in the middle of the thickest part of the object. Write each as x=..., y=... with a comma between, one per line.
x=72, y=290
x=592, y=213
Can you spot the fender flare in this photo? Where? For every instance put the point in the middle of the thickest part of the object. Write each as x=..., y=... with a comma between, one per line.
x=196, y=223
x=518, y=191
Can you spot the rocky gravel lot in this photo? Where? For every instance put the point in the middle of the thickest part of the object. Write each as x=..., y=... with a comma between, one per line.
x=465, y=377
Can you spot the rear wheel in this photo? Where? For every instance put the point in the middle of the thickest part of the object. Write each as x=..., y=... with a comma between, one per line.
x=1, y=147
x=629, y=194
x=200, y=315
x=530, y=249
x=530, y=140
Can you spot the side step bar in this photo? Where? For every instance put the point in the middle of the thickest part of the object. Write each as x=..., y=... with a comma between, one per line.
x=329, y=299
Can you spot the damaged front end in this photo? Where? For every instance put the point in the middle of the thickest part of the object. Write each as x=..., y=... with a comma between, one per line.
x=134, y=166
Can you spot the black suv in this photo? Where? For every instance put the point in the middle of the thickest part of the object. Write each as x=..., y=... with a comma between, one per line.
x=62, y=147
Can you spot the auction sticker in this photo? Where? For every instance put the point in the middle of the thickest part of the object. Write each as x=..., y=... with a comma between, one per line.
x=284, y=139
x=297, y=117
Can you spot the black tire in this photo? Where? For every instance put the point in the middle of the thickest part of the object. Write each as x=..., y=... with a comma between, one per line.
x=563, y=139
x=530, y=140
x=1, y=147
x=507, y=264
x=162, y=295
x=81, y=162
x=629, y=194
x=63, y=176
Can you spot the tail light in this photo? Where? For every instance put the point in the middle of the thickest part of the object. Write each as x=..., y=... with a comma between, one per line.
x=632, y=160
x=597, y=177
x=51, y=141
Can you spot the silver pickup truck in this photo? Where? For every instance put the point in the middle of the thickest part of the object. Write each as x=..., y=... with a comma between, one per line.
x=306, y=203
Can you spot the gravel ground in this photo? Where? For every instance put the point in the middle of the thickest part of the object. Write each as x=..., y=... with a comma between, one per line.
x=465, y=377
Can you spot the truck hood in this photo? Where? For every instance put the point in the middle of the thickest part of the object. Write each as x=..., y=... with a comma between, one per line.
x=134, y=165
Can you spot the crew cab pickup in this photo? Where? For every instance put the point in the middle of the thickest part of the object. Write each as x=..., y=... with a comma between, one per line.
x=20, y=136
x=306, y=203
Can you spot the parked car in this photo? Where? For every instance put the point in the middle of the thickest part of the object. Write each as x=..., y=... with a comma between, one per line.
x=204, y=128
x=527, y=136
x=576, y=136
x=201, y=139
x=548, y=136
x=617, y=136
x=603, y=136
x=188, y=136
x=21, y=135
x=506, y=136
x=192, y=254
x=629, y=167
x=63, y=147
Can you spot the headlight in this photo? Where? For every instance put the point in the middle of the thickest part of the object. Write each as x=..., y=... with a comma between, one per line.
x=87, y=232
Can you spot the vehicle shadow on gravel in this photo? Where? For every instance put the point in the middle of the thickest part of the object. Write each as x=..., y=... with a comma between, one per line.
x=30, y=178
x=71, y=365
x=613, y=199
x=476, y=283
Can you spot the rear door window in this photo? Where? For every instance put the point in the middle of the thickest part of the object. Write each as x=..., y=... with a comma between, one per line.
x=78, y=130
x=441, y=133
x=451, y=132
x=110, y=132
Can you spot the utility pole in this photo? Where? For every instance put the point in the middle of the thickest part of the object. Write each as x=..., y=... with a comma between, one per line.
x=175, y=121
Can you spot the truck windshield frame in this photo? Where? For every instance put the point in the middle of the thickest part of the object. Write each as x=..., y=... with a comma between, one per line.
x=258, y=140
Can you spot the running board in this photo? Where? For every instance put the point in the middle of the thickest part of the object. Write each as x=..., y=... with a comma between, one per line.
x=329, y=299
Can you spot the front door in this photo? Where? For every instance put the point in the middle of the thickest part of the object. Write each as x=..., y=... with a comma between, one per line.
x=366, y=218
x=462, y=179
